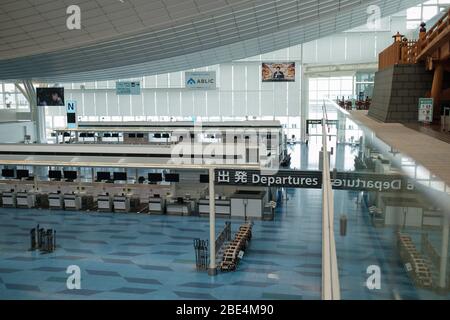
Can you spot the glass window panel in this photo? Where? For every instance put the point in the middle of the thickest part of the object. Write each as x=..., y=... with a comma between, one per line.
x=429, y=12
x=414, y=13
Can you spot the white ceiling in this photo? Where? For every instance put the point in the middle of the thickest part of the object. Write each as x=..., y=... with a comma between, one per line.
x=143, y=37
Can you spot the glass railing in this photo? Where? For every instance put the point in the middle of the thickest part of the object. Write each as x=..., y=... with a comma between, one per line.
x=391, y=221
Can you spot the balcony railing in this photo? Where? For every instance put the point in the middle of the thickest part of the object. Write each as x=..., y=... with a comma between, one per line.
x=404, y=52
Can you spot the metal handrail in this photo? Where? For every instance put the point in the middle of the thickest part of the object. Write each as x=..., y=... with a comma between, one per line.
x=330, y=273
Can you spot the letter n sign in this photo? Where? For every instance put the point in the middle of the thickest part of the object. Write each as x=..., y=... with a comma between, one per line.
x=71, y=108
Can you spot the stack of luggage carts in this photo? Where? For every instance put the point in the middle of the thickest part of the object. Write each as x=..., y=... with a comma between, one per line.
x=419, y=269
x=231, y=255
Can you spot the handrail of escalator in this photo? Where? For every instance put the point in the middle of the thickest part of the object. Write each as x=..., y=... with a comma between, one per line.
x=330, y=274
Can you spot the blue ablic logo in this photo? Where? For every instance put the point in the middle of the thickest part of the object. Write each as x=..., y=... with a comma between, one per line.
x=191, y=82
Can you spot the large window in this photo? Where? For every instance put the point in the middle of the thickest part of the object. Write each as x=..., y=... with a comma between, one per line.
x=11, y=98
x=424, y=12
x=330, y=87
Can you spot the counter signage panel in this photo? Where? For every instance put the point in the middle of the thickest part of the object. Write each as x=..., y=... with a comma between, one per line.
x=313, y=180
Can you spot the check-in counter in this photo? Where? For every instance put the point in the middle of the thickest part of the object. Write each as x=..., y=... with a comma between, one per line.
x=223, y=207
x=104, y=203
x=179, y=209
x=121, y=203
x=25, y=200
x=156, y=205
x=56, y=201
x=248, y=204
x=9, y=199
x=72, y=201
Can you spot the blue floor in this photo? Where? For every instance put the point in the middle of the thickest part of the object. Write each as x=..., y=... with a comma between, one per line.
x=136, y=256
x=132, y=256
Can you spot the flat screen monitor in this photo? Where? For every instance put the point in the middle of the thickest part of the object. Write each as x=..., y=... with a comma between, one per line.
x=172, y=177
x=154, y=177
x=54, y=174
x=165, y=136
x=139, y=135
x=204, y=178
x=103, y=176
x=120, y=176
x=22, y=174
x=132, y=135
x=157, y=135
x=70, y=175
x=50, y=97
x=8, y=173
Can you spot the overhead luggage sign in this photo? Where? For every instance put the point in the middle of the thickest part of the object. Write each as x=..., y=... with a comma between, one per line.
x=128, y=88
x=200, y=80
x=313, y=180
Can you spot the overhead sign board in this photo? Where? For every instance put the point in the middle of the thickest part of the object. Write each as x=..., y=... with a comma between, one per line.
x=200, y=80
x=426, y=109
x=128, y=88
x=313, y=180
x=71, y=110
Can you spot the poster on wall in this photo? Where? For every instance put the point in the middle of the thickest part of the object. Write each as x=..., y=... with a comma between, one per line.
x=278, y=72
x=128, y=88
x=200, y=80
x=426, y=110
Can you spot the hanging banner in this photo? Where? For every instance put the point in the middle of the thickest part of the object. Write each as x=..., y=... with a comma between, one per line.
x=200, y=80
x=278, y=72
x=128, y=88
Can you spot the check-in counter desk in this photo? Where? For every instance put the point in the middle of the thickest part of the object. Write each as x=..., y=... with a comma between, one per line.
x=25, y=200
x=179, y=209
x=72, y=202
x=104, y=203
x=248, y=204
x=9, y=199
x=121, y=203
x=223, y=207
x=56, y=201
x=156, y=205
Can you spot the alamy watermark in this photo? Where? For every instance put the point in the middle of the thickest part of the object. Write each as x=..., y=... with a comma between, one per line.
x=258, y=147
x=374, y=18
x=74, y=279
x=373, y=282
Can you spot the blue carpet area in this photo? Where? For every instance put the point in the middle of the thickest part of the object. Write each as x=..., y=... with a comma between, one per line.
x=132, y=256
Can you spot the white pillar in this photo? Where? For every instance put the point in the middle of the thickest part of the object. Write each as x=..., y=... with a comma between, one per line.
x=444, y=252
x=40, y=125
x=304, y=105
x=212, y=270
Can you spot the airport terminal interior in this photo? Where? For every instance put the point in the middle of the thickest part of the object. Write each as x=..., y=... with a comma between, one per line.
x=224, y=150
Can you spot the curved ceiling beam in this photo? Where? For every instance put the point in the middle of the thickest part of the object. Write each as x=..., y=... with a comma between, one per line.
x=248, y=29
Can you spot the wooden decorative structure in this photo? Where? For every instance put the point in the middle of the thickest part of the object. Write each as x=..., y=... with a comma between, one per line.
x=432, y=48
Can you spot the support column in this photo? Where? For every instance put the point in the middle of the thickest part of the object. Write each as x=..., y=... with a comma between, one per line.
x=304, y=102
x=444, y=252
x=436, y=90
x=212, y=270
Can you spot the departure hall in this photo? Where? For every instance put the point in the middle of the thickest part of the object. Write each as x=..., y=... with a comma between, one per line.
x=224, y=150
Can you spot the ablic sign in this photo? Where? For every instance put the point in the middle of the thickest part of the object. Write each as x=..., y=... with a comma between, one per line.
x=200, y=80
